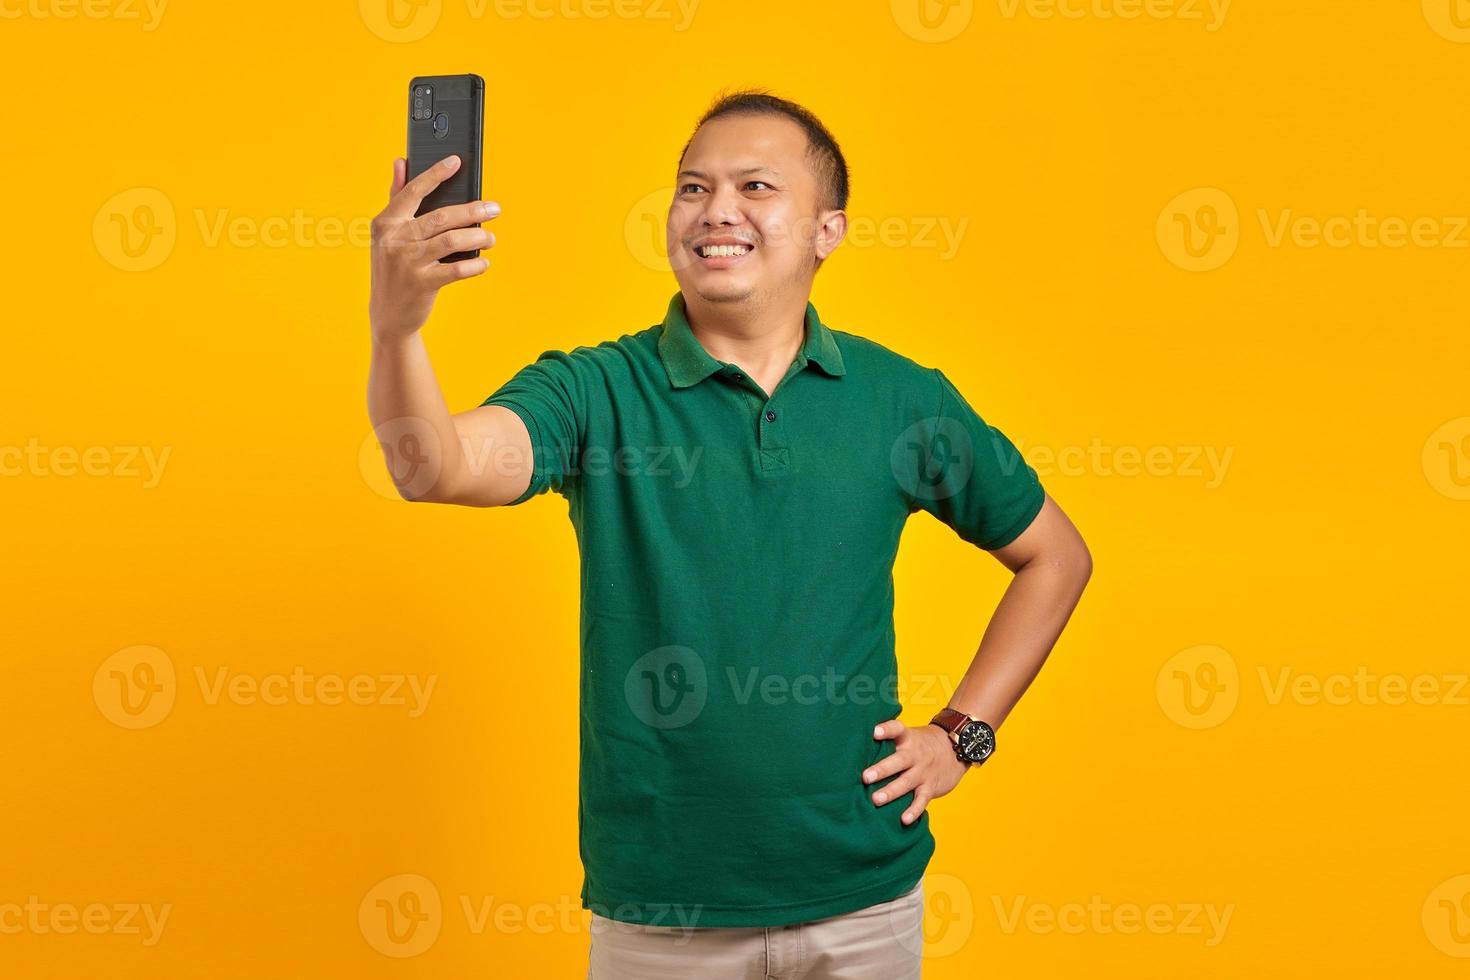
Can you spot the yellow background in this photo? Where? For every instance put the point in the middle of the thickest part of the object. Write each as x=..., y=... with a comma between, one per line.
x=1332, y=544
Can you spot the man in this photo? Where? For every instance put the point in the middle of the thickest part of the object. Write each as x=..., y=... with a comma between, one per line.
x=738, y=477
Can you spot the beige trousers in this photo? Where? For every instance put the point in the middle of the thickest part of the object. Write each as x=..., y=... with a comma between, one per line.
x=880, y=942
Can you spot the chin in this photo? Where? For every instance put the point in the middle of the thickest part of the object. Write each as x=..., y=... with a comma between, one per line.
x=724, y=292
x=714, y=289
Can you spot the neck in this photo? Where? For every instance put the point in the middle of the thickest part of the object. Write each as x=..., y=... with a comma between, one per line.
x=762, y=338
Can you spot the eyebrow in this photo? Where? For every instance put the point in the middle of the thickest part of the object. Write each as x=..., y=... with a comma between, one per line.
x=739, y=173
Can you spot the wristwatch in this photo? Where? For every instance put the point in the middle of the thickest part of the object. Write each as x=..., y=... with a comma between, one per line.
x=974, y=740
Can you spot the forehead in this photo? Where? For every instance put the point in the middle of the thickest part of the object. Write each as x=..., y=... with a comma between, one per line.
x=739, y=142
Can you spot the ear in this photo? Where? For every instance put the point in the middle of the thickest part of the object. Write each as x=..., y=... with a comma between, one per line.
x=831, y=230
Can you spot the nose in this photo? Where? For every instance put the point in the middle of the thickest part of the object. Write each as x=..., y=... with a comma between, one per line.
x=722, y=208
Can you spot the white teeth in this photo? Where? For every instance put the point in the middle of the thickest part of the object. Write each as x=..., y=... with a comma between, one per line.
x=723, y=251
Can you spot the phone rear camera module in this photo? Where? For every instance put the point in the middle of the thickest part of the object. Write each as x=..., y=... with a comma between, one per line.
x=441, y=126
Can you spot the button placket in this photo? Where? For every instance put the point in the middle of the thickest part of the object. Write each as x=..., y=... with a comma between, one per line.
x=774, y=454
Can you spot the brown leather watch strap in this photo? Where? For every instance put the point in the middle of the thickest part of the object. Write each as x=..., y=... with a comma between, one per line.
x=951, y=720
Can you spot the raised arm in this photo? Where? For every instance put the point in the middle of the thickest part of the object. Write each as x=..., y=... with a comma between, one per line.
x=481, y=457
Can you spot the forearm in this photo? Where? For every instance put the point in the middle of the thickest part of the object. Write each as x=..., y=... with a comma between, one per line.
x=1026, y=624
x=402, y=386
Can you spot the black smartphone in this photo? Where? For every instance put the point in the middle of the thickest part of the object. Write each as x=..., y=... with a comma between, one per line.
x=446, y=115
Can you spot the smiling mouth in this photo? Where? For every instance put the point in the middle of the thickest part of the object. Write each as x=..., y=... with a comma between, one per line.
x=723, y=251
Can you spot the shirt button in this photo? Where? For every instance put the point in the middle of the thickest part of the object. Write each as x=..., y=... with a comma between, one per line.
x=770, y=416
x=737, y=375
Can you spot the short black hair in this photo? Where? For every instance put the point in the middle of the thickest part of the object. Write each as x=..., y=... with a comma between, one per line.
x=822, y=149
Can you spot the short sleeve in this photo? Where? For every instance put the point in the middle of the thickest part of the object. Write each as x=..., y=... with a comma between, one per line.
x=969, y=475
x=551, y=400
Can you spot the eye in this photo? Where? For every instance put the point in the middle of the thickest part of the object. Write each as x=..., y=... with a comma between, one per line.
x=751, y=183
x=690, y=188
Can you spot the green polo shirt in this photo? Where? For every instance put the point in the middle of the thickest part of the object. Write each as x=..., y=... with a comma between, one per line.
x=737, y=636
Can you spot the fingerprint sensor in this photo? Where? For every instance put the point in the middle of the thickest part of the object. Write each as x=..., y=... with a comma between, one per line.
x=441, y=126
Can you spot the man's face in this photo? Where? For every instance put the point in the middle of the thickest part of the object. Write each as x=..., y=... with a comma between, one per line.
x=746, y=190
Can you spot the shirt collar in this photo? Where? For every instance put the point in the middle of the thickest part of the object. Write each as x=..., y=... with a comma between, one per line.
x=688, y=363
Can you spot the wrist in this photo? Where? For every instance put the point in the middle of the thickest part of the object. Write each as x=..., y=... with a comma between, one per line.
x=972, y=739
x=390, y=340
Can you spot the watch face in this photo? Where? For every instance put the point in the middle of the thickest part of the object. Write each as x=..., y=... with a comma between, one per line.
x=977, y=741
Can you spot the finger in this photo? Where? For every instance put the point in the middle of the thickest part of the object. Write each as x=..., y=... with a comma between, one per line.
x=400, y=170
x=458, y=240
x=897, y=762
x=921, y=800
x=405, y=203
x=891, y=728
x=896, y=789
x=447, y=272
x=454, y=216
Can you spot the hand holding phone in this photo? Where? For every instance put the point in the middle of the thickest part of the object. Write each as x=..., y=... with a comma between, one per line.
x=408, y=250
x=429, y=234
